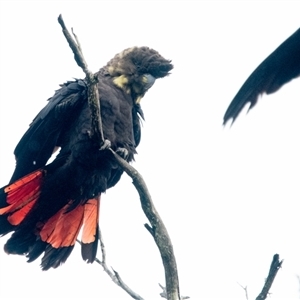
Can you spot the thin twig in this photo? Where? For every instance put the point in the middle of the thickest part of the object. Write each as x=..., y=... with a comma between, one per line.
x=245, y=289
x=92, y=80
x=275, y=266
x=75, y=46
x=115, y=277
x=125, y=287
x=102, y=246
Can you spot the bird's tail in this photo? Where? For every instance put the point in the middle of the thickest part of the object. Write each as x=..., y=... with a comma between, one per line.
x=55, y=236
x=17, y=199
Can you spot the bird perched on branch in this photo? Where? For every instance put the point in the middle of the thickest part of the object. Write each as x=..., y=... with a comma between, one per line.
x=45, y=205
x=280, y=67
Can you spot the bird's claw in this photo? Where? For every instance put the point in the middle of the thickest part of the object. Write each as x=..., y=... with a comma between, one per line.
x=123, y=152
x=106, y=144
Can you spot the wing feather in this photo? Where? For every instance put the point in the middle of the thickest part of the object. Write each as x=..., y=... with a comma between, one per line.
x=280, y=67
x=39, y=141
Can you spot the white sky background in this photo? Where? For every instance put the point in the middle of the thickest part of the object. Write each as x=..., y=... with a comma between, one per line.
x=229, y=197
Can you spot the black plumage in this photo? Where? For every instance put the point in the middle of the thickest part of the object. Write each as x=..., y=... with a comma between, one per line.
x=41, y=196
x=280, y=67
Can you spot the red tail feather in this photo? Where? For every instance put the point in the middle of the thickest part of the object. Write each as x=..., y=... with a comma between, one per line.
x=18, y=199
x=56, y=236
x=62, y=229
x=91, y=213
x=90, y=231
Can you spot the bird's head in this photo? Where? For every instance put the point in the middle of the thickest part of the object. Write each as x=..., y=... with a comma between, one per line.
x=136, y=69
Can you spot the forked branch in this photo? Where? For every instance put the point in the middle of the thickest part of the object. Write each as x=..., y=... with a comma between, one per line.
x=92, y=80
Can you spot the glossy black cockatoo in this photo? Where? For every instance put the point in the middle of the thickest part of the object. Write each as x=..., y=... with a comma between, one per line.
x=280, y=67
x=45, y=205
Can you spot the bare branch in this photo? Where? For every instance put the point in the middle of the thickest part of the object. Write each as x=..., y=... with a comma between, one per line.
x=115, y=277
x=92, y=80
x=157, y=230
x=103, y=251
x=245, y=289
x=126, y=287
x=275, y=266
x=163, y=294
x=75, y=46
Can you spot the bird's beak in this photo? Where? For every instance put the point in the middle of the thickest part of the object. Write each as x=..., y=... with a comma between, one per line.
x=148, y=80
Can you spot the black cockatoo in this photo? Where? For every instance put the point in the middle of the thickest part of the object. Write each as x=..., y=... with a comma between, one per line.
x=277, y=69
x=45, y=205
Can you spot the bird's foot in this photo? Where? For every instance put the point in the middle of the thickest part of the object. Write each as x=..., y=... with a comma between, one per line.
x=106, y=144
x=123, y=152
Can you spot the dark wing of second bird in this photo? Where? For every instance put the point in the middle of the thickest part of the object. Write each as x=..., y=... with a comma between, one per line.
x=280, y=67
